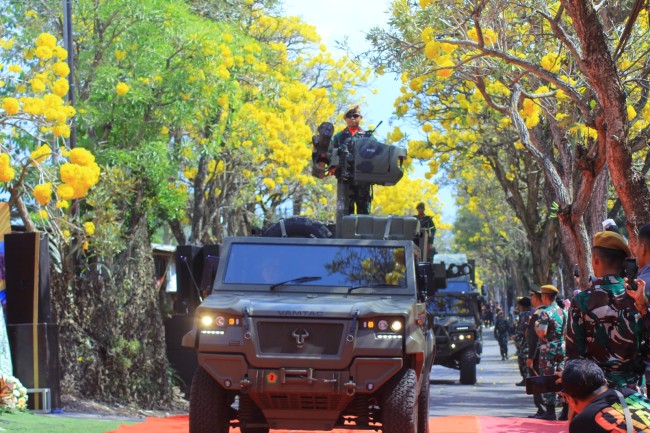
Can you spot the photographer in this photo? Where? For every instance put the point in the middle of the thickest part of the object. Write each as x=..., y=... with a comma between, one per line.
x=606, y=321
x=601, y=409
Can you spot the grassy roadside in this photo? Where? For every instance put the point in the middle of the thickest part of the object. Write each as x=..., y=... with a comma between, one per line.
x=33, y=423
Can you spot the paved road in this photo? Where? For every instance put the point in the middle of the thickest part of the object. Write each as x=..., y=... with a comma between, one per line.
x=494, y=394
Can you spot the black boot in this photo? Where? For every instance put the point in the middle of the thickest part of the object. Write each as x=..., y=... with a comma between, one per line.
x=540, y=411
x=564, y=414
x=549, y=414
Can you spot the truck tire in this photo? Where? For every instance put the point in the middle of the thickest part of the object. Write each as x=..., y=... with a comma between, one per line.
x=468, y=367
x=209, y=405
x=399, y=411
x=298, y=227
x=423, y=404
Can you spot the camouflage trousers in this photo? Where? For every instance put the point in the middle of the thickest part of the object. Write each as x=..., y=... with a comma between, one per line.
x=361, y=197
x=522, y=356
x=551, y=361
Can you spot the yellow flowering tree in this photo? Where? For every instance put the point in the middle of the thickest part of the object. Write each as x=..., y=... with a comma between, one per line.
x=200, y=124
x=40, y=173
x=498, y=85
x=487, y=229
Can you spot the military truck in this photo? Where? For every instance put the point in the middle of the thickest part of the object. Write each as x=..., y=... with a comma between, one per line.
x=306, y=331
x=457, y=318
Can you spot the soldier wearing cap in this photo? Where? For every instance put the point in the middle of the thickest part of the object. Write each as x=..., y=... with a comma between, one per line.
x=359, y=191
x=606, y=321
x=549, y=328
x=532, y=362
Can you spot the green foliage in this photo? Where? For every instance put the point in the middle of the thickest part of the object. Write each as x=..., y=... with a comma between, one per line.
x=27, y=422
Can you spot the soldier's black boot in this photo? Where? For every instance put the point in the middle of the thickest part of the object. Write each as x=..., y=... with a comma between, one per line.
x=540, y=411
x=549, y=414
x=564, y=414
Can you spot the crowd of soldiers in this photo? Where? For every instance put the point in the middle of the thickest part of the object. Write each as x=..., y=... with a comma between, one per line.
x=606, y=323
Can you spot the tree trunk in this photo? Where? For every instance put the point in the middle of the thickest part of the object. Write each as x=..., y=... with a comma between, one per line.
x=612, y=125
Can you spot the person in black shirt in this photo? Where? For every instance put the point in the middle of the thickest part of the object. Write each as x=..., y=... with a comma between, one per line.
x=532, y=362
x=426, y=227
x=601, y=409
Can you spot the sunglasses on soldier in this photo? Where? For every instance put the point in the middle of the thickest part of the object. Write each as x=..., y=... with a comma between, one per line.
x=353, y=115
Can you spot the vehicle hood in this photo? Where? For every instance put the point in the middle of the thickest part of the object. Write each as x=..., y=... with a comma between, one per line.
x=307, y=305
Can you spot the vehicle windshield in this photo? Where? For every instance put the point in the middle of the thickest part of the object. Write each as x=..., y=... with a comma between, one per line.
x=449, y=305
x=334, y=265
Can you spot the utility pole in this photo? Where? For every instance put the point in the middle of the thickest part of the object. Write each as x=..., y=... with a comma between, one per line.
x=67, y=43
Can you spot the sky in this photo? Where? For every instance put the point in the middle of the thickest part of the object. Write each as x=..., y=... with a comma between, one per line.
x=337, y=19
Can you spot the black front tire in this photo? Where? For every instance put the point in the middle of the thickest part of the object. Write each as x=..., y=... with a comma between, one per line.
x=399, y=408
x=209, y=405
x=468, y=367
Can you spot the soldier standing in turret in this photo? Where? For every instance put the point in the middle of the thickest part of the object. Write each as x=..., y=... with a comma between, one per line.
x=359, y=191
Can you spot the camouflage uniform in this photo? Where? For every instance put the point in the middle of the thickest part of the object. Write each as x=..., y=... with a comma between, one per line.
x=605, y=327
x=533, y=341
x=552, y=321
x=501, y=333
x=521, y=343
x=360, y=193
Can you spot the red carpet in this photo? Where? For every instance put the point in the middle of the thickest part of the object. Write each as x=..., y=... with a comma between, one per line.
x=445, y=424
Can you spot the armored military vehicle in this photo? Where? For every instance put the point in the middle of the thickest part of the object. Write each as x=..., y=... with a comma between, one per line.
x=457, y=318
x=307, y=331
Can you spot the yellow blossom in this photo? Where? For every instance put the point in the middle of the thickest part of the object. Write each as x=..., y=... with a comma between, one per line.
x=60, y=52
x=40, y=154
x=61, y=69
x=46, y=40
x=631, y=112
x=60, y=87
x=89, y=227
x=11, y=106
x=43, y=52
x=81, y=156
x=43, y=214
x=7, y=173
x=43, y=193
x=122, y=88
x=65, y=191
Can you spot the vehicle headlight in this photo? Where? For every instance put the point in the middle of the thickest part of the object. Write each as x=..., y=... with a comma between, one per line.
x=387, y=328
x=212, y=323
x=396, y=326
x=207, y=321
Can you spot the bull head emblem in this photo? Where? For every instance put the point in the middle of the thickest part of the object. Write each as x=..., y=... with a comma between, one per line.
x=300, y=335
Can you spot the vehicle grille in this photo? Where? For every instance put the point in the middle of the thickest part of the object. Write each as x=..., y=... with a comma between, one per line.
x=318, y=338
x=300, y=401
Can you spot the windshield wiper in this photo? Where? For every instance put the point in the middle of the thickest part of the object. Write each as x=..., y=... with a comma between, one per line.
x=295, y=280
x=371, y=286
